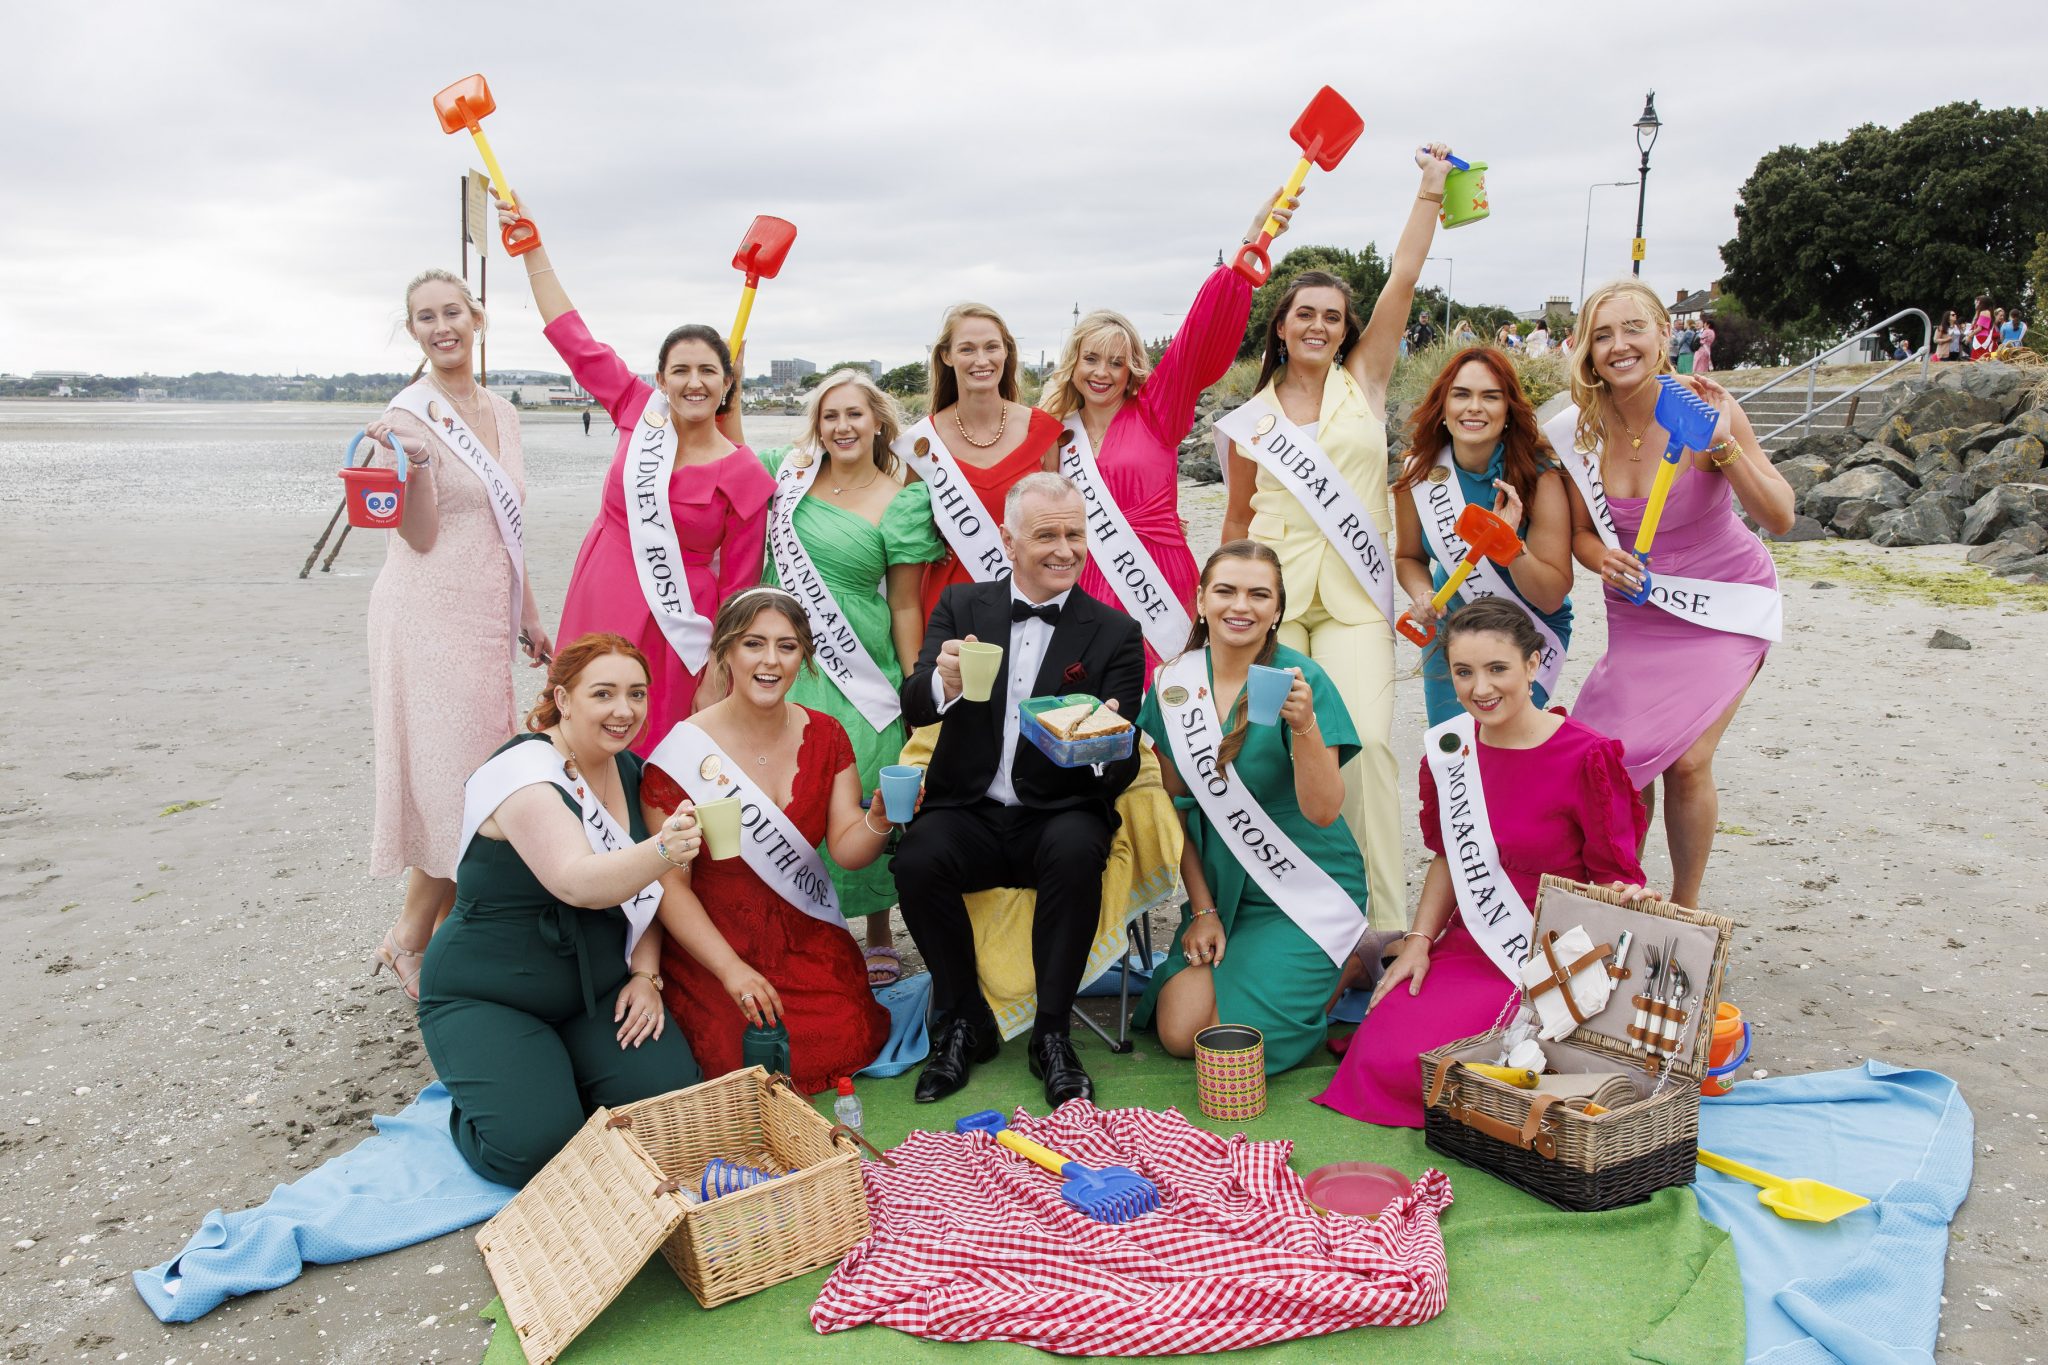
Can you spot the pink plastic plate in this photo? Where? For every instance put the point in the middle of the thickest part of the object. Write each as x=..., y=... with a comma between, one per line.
x=1362, y=1188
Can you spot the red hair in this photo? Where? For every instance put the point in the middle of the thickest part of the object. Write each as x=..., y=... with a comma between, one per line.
x=1528, y=451
x=568, y=666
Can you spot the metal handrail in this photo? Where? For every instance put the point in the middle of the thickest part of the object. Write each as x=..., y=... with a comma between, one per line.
x=1925, y=355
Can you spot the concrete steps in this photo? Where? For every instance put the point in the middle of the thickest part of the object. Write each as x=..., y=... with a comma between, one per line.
x=1785, y=404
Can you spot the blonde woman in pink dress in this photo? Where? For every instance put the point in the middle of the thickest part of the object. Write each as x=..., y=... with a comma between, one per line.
x=443, y=614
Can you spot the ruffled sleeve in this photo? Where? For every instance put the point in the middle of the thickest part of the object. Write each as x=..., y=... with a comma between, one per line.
x=1199, y=354
x=747, y=489
x=597, y=368
x=772, y=458
x=909, y=536
x=1612, y=817
x=1432, y=825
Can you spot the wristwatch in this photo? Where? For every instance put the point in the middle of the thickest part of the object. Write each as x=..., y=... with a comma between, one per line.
x=654, y=977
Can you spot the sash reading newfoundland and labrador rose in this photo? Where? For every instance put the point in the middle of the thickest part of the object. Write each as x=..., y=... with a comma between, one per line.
x=1495, y=913
x=972, y=536
x=1308, y=895
x=1117, y=551
x=528, y=764
x=650, y=523
x=424, y=401
x=844, y=659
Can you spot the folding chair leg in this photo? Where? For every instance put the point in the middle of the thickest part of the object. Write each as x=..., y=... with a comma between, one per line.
x=1143, y=947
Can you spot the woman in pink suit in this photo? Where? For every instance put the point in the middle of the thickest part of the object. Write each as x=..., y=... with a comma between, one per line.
x=713, y=507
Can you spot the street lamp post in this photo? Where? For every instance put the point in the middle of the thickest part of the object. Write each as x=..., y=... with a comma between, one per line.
x=1450, y=284
x=1646, y=138
x=1587, y=246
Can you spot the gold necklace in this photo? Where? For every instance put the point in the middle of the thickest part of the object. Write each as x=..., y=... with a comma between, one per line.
x=1001, y=422
x=1635, y=438
x=857, y=487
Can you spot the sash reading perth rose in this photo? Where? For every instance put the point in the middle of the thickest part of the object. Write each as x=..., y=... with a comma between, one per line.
x=424, y=401
x=1494, y=911
x=840, y=653
x=1308, y=895
x=529, y=763
x=1120, y=554
x=972, y=536
x=657, y=557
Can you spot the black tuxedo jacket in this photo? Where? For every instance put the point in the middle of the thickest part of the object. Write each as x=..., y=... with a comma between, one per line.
x=1094, y=648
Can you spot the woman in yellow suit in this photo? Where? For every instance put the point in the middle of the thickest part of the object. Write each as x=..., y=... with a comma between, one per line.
x=1327, y=377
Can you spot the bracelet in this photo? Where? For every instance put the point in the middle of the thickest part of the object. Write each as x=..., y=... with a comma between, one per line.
x=419, y=461
x=1416, y=933
x=544, y=270
x=1430, y=196
x=1728, y=443
x=1205, y=910
x=661, y=847
x=1304, y=729
x=870, y=828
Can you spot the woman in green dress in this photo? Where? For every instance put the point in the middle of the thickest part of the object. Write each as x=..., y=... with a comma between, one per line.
x=1242, y=957
x=849, y=536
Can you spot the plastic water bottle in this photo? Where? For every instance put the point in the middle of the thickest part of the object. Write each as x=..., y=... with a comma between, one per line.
x=847, y=1107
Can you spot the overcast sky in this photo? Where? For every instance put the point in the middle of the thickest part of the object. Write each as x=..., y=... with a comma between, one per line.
x=247, y=187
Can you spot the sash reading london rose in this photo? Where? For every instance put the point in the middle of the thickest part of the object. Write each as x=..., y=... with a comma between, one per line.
x=1120, y=554
x=956, y=509
x=1494, y=911
x=528, y=764
x=844, y=659
x=657, y=557
x=769, y=842
x=1308, y=895
x=425, y=402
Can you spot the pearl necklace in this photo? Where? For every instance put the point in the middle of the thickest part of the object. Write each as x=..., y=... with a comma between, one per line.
x=1001, y=422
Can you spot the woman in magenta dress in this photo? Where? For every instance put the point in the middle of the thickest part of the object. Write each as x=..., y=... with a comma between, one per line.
x=717, y=494
x=1668, y=685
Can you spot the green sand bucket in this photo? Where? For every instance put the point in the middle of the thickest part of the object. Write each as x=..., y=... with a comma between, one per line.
x=1464, y=194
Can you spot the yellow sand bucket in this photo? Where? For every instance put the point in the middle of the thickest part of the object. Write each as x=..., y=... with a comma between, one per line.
x=1230, y=1072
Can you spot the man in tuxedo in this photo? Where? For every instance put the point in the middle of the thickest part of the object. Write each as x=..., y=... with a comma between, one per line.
x=996, y=811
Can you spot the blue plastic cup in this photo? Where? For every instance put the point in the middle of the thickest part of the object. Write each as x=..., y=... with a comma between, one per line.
x=1266, y=692
x=900, y=784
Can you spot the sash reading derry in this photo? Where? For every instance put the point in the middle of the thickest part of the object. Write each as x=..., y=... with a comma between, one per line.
x=1494, y=911
x=840, y=653
x=955, y=507
x=422, y=400
x=1120, y=554
x=657, y=557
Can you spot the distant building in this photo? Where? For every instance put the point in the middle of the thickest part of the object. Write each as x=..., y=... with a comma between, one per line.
x=538, y=394
x=151, y=395
x=1695, y=303
x=60, y=374
x=786, y=373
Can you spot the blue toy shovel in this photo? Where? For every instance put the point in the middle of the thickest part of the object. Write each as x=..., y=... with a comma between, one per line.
x=1111, y=1194
x=1689, y=420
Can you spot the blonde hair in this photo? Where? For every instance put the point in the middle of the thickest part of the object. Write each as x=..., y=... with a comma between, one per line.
x=1589, y=390
x=945, y=385
x=1061, y=398
x=888, y=417
x=432, y=275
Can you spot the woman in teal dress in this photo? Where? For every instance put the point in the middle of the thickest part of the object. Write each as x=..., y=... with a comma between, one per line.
x=1239, y=957
x=868, y=534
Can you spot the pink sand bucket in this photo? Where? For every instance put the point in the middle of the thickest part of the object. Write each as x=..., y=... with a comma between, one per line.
x=375, y=497
x=1230, y=1072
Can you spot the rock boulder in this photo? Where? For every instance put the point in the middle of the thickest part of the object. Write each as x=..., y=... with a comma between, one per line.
x=1855, y=517
x=2005, y=508
x=1827, y=446
x=1882, y=457
x=1805, y=472
x=1868, y=484
x=2017, y=459
x=1931, y=520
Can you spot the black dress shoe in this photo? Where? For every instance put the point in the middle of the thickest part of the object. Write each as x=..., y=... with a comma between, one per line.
x=1053, y=1061
x=956, y=1047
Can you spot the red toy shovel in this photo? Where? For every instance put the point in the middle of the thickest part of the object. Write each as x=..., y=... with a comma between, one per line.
x=460, y=106
x=760, y=257
x=1486, y=536
x=1324, y=132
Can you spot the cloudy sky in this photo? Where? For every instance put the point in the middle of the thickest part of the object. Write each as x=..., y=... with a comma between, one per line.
x=195, y=186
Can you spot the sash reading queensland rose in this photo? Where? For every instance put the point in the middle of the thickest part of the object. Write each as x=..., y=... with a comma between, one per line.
x=958, y=512
x=1120, y=554
x=530, y=763
x=650, y=522
x=1438, y=501
x=1737, y=608
x=1310, y=896
x=769, y=842
x=839, y=653
x=1293, y=458
x=1494, y=911
x=437, y=411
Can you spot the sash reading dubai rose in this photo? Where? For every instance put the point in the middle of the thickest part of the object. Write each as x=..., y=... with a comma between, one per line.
x=844, y=659
x=769, y=842
x=1494, y=911
x=529, y=763
x=1438, y=501
x=437, y=410
x=657, y=557
x=1310, y=896
x=1737, y=608
x=1118, y=552
x=1292, y=457
x=972, y=535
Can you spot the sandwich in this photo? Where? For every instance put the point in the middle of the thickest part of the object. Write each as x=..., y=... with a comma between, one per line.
x=1083, y=720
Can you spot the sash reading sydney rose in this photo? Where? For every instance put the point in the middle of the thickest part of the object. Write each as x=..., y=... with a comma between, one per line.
x=769, y=842
x=1294, y=459
x=1494, y=911
x=437, y=411
x=958, y=512
x=657, y=557
x=1120, y=554
x=840, y=654
x=530, y=763
x=1308, y=895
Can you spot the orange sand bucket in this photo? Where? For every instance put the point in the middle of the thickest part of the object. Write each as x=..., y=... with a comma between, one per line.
x=1230, y=1072
x=1729, y=1051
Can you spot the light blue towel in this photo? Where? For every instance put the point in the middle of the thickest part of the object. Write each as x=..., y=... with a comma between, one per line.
x=405, y=1184
x=1111, y=981
x=909, y=1042
x=1867, y=1287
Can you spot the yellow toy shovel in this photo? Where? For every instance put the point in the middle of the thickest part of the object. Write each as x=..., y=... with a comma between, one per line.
x=1809, y=1201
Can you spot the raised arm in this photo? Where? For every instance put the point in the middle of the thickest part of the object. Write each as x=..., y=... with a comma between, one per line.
x=548, y=294
x=1371, y=361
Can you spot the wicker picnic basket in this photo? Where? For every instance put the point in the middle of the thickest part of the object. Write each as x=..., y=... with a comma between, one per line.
x=580, y=1231
x=1549, y=1147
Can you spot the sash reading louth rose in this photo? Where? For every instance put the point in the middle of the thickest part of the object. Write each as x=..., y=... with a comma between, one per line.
x=1737, y=608
x=839, y=653
x=958, y=512
x=1293, y=458
x=1120, y=554
x=769, y=842
x=1437, y=505
x=528, y=764
x=437, y=411
x=650, y=522
x=1308, y=895
x=1494, y=911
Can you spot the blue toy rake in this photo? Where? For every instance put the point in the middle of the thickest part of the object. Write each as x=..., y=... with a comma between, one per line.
x=1110, y=1194
x=1689, y=421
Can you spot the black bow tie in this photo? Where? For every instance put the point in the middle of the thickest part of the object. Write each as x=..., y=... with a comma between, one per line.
x=1023, y=611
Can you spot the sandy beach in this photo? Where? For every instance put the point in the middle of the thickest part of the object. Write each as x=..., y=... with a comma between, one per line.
x=183, y=877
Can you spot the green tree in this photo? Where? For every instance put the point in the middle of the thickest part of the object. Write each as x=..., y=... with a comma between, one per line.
x=1363, y=270
x=905, y=379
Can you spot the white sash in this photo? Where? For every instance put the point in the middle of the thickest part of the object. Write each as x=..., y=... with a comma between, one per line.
x=956, y=509
x=1437, y=505
x=441, y=418
x=530, y=763
x=840, y=654
x=1494, y=911
x=1120, y=554
x=650, y=522
x=769, y=842
x=1292, y=456
x=1310, y=896
x=1737, y=608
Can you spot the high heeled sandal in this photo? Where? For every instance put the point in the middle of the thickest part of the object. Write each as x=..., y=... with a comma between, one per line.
x=389, y=954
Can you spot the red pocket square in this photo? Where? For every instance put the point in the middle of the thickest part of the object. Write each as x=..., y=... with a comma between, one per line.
x=1075, y=676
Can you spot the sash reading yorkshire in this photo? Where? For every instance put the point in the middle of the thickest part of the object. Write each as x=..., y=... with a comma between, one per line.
x=437, y=411
x=1122, y=557
x=840, y=654
x=956, y=509
x=1494, y=911
x=657, y=557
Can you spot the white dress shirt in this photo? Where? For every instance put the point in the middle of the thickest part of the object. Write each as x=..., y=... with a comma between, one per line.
x=1029, y=639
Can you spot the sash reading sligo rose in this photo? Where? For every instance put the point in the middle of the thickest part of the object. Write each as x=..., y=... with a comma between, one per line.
x=840, y=654
x=1737, y=608
x=1438, y=501
x=437, y=411
x=958, y=512
x=1293, y=458
x=771, y=845
x=657, y=557
x=1308, y=895
x=530, y=763
x=1120, y=554
x=1494, y=911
